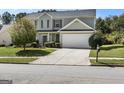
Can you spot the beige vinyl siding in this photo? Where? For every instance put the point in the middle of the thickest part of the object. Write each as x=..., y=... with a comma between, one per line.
x=5, y=38
x=89, y=21
x=45, y=19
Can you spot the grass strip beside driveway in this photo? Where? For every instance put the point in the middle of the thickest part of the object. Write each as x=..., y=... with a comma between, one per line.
x=17, y=60
x=107, y=62
x=115, y=50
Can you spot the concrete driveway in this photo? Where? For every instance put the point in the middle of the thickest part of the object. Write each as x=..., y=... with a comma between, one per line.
x=66, y=57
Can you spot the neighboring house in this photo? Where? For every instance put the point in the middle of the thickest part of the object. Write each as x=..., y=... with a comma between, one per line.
x=70, y=28
x=1, y=21
x=5, y=38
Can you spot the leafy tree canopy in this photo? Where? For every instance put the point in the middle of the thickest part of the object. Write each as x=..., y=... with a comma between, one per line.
x=20, y=15
x=47, y=10
x=6, y=18
x=23, y=32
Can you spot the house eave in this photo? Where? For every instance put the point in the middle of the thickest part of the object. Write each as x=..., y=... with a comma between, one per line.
x=77, y=32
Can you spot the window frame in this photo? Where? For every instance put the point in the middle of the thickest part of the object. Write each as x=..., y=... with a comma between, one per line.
x=48, y=23
x=57, y=22
x=41, y=23
x=35, y=23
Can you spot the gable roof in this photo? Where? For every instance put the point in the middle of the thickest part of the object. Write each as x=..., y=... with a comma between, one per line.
x=65, y=14
x=44, y=13
x=5, y=28
x=83, y=26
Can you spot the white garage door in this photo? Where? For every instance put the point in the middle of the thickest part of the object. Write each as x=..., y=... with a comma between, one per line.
x=75, y=40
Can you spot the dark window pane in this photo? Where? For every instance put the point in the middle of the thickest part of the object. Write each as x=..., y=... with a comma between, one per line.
x=47, y=23
x=41, y=23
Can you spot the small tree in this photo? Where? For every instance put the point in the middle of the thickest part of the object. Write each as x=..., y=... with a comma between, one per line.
x=96, y=39
x=20, y=15
x=23, y=32
x=6, y=17
x=1, y=26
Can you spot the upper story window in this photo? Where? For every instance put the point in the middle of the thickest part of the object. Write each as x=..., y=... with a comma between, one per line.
x=57, y=23
x=47, y=23
x=41, y=23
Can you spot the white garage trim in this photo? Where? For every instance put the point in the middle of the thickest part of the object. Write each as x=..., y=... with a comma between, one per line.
x=75, y=40
x=77, y=32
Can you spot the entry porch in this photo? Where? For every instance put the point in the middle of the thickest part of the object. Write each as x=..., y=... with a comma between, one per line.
x=44, y=37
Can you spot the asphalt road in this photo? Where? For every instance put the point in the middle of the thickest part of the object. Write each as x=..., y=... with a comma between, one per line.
x=52, y=74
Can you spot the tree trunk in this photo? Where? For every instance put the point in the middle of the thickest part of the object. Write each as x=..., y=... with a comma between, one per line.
x=24, y=46
x=97, y=56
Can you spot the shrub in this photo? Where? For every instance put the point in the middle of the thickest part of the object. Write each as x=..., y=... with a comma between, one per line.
x=2, y=45
x=10, y=44
x=109, y=39
x=115, y=37
x=52, y=44
x=49, y=44
x=34, y=44
x=96, y=39
x=57, y=45
x=122, y=42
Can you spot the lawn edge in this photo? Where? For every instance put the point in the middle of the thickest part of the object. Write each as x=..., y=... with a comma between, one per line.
x=110, y=65
x=14, y=63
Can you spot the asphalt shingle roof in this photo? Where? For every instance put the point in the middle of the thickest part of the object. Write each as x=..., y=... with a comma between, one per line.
x=66, y=14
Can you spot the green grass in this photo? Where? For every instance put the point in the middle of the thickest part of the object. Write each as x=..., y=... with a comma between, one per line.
x=10, y=51
x=16, y=60
x=116, y=50
x=107, y=62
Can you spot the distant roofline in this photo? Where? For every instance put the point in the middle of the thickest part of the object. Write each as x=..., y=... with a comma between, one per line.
x=62, y=11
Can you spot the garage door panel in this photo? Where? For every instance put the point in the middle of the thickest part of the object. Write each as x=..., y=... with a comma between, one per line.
x=75, y=40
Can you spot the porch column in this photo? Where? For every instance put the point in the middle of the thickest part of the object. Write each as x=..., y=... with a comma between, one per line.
x=48, y=37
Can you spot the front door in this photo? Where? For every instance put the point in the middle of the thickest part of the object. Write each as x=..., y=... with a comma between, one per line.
x=44, y=39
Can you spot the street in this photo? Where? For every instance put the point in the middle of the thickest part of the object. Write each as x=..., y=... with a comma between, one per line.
x=53, y=74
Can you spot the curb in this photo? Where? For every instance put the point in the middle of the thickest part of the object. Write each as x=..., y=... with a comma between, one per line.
x=42, y=64
x=99, y=65
x=110, y=65
x=58, y=64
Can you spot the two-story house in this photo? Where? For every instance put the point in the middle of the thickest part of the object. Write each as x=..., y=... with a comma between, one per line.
x=70, y=28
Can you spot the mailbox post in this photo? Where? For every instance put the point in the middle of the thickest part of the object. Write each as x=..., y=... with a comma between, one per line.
x=97, y=52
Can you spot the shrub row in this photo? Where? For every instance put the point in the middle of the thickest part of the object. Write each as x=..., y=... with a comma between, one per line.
x=99, y=38
x=52, y=44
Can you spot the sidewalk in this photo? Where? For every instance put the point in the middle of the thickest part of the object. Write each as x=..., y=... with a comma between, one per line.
x=108, y=58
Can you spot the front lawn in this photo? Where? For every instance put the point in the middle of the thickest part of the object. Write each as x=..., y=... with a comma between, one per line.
x=107, y=62
x=115, y=50
x=10, y=51
x=16, y=60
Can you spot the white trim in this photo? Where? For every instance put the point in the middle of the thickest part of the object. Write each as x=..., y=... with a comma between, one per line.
x=76, y=19
x=80, y=32
x=48, y=37
x=46, y=32
x=43, y=15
